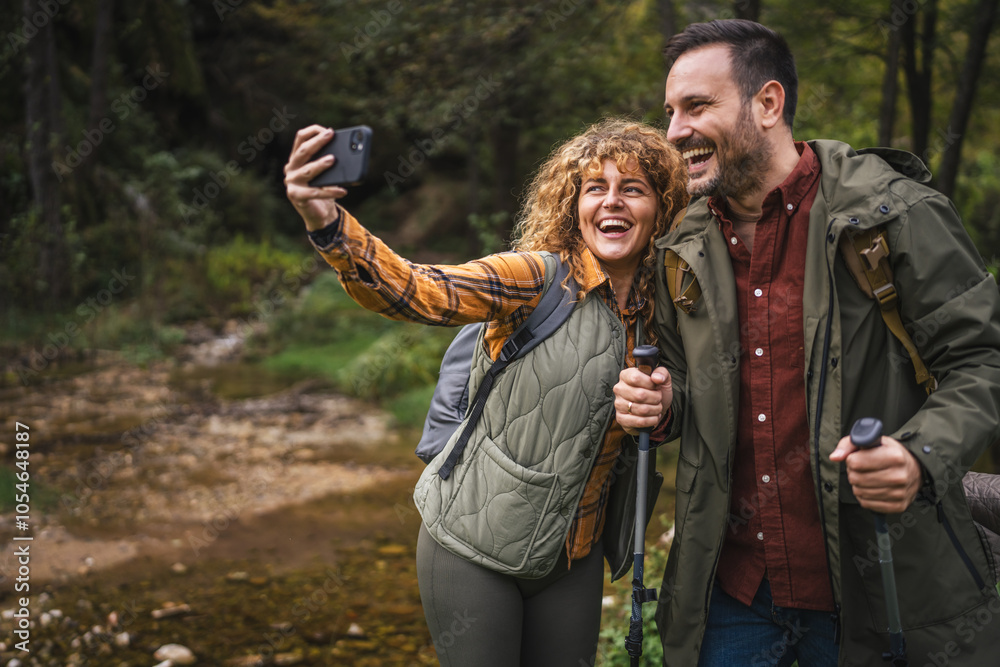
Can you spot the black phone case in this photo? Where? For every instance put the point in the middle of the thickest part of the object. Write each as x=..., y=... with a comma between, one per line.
x=351, y=164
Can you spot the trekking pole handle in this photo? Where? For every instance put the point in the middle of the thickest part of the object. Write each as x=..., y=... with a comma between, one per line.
x=866, y=433
x=645, y=358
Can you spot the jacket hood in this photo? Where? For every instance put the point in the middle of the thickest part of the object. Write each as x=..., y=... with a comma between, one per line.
x=850, y=178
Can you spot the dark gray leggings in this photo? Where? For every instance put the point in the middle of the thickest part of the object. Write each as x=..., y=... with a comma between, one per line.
x=483, y=618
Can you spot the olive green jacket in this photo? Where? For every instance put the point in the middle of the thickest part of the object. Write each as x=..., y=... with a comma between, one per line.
x=853, y=367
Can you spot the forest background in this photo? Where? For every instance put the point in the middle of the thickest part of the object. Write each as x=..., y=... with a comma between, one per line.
x=143, y=143
x=142, y=146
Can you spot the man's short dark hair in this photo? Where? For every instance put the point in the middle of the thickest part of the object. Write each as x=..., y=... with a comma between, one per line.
x=757, y=55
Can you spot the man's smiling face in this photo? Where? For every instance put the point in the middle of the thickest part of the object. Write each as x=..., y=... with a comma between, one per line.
x=713, y=128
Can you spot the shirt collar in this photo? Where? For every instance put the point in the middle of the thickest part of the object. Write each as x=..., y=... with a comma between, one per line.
x=594, y=276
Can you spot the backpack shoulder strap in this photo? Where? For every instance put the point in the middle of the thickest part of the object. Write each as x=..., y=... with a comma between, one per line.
x=552, y=310
x=684, y=299
x=866, y=254
x=676, y=270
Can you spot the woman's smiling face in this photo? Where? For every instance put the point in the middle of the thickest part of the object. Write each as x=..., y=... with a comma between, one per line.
x=617, y=213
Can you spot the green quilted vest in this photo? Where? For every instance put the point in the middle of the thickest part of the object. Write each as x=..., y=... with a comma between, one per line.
x=509, y=503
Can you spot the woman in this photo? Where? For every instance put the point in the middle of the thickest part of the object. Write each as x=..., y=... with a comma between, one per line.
x=510, y=553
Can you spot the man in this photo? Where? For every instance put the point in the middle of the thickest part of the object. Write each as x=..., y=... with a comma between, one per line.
x=774, y=557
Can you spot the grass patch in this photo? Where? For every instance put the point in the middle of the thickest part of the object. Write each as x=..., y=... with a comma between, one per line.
x=43, y=497
x=410, y=408
x=326, y=361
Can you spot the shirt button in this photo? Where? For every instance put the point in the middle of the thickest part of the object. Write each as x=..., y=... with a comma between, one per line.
x=758, y=292
x=759, y=352
x=760, y=536
x=733, y=240
x=766, y=479
x=761, y=417
x=790, y=207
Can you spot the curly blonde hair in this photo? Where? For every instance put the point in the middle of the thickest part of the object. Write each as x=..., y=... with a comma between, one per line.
x=549, y=217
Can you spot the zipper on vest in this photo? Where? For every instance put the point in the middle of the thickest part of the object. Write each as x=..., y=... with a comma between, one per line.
x=943, y=520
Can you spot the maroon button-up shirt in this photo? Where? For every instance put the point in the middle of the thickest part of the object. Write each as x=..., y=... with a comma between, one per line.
x=774, y=528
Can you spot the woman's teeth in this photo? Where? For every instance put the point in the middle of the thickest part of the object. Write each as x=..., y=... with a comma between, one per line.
x=614, y=226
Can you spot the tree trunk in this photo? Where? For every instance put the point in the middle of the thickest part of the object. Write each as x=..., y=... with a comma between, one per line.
x=668, y=19
x=958, y=121
x=506, y=137
x=890, y=82
x=99, y=64
x=42, y=112
x=918, y=76
x=472, y=178
x=748, y=9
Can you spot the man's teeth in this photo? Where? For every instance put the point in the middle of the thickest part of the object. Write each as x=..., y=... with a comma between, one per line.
x=694, y=152
x=615, y=225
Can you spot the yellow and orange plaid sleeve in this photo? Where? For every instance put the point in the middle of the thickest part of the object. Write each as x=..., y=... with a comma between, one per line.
x=500, y=289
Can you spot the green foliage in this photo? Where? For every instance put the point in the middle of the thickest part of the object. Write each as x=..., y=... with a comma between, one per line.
x=403, y=359
x=488, y=229
x=323, y=313
x=130, y=330
x=978, y=200
x=325, y=333
x=43, y=497
x=410, y=408
x=242, y=272
x=185, y=188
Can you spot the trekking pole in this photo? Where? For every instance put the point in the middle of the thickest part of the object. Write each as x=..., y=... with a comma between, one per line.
x=645, y=360
x=867, y=434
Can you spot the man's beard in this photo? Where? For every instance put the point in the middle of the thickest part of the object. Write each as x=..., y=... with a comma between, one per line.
x=741, y=163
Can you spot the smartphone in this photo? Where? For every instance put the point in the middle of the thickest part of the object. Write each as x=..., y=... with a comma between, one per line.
x=351, y=147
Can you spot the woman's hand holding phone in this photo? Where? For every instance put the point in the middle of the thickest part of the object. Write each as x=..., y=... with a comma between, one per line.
x=317, y=206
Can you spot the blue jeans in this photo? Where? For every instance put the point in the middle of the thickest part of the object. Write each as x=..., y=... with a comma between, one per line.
x=764, y=634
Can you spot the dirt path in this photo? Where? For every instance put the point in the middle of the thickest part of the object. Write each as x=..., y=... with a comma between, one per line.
x=270, y=517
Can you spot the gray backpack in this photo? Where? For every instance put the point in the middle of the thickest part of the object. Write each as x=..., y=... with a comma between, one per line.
x=450, y=403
